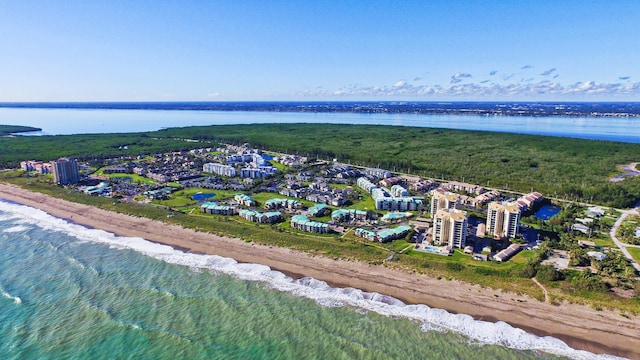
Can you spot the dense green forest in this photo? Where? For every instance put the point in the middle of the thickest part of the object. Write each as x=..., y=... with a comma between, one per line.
x=568, y=168
x=84, y=147
x=14, y=129
x=575, y=169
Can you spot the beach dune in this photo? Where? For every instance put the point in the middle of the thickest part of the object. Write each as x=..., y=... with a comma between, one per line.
x=598, y=331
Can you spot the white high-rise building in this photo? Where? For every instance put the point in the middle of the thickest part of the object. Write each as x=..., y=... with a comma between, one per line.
x=450, y=228
x=441, y=201
x=503, y=220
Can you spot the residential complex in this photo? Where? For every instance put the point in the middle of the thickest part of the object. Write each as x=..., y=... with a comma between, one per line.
x=211, y=207
x=245, y=200
x=317, y=210
x=38, y=166
x=65, y=172
x=384, y=235
x=347, y=215
x=450, y=228
x=219, y=169
x=446, y=200
x=263, y=218
x=384, y=200
x=399, y=191
x=377, y=173
x=507, y=253
x=289, y=204
x=257, y=172
x=302, y=222
x=325, y=183
x=527, y=201
x=503, y=220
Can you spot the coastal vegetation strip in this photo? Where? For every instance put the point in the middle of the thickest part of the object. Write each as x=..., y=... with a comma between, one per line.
x=16, y=129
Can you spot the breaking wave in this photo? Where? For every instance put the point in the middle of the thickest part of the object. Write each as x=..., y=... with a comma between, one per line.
x=16, y=299
x=431, y=319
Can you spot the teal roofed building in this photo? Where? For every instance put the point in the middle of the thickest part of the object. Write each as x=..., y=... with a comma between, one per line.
x=396, y=216
x=263, y=218
x=345, y=215
x=244, y=199
x=290, y=204
x=211, y=207
x=301, y=222
x=384, y=235
x=317, y=210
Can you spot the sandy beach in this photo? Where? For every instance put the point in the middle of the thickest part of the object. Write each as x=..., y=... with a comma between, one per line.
x=580, y=326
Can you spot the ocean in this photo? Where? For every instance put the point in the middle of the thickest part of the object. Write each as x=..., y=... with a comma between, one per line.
x=70, y=292
x=62, y=121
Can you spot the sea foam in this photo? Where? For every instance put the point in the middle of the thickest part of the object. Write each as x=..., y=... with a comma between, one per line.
x=16, y=299
x=15, y=229
x=478, y=331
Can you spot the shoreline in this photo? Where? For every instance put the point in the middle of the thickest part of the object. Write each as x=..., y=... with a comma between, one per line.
x=577, y=325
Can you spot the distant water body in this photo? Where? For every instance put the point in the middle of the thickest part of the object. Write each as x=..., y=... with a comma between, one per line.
x=68, y=292
x=79, y=121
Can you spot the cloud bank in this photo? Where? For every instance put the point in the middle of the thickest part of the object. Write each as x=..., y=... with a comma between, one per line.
x=484, y=90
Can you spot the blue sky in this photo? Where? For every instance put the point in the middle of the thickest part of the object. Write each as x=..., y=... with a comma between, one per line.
x=319, y=50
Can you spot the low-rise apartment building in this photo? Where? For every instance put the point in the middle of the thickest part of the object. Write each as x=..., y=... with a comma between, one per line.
x=302, y=222
x=263, y=218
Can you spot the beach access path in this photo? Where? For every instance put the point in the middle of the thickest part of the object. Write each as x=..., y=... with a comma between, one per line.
x=598, y=331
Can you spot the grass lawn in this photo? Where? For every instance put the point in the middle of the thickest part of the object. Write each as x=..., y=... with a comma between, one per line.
x=325, y=218
x=603, y=240
x=262, y=197
x=366, y=203
x=179, y=201
x=460, y=257
x=281, y=167
x=184, y=197
x=135, y=178
x=635, y=252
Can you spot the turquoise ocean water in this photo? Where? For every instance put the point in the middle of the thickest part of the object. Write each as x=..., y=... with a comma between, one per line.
x=68, y=292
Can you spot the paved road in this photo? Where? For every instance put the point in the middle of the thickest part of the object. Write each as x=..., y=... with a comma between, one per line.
x=622, y=246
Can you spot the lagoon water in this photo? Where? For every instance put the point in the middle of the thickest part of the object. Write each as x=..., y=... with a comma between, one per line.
x=78, y=121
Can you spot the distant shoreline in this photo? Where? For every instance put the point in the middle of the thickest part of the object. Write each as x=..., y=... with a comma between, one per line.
x=484, y=108
x=579, y=326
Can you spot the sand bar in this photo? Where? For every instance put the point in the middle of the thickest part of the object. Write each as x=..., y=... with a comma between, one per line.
x=580, y=326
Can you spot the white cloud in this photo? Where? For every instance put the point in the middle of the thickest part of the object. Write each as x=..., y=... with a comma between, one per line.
x=484, y=89
x=460, y=75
